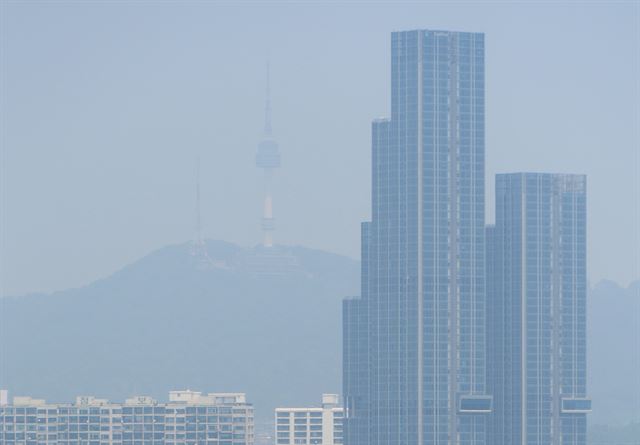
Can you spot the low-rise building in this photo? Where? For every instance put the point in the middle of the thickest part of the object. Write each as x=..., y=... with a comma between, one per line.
x=189, y=418
x=310, y=426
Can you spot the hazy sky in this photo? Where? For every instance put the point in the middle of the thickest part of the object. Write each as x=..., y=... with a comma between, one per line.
x=105, y=106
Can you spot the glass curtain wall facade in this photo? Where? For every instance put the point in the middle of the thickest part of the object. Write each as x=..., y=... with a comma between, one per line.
x=536, y=284
x=414, y=345
x=355, y=347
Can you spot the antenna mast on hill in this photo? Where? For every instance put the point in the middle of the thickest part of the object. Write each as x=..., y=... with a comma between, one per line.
x=199, y=247
x=198, y=239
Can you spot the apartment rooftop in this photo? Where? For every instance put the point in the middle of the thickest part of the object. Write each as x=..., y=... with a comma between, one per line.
x=186, y=397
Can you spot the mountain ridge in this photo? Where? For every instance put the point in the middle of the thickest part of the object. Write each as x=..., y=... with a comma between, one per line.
x=164, y=322
x=169, y=321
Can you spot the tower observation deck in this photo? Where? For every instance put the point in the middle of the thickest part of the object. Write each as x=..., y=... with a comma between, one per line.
x=267, y=259
x=268, y=159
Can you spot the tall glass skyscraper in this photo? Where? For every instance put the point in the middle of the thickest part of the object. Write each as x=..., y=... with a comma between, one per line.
x=536, y=285
x=414, y=342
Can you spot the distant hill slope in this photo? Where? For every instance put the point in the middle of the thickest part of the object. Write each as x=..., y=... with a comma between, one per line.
x=628, y=434
x=165, y=323
x=613, y=353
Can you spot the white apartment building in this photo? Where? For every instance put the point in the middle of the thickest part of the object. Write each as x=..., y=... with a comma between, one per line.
x=312, y=425
x=189, y=418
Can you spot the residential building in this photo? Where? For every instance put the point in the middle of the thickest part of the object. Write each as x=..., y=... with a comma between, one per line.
x=311, y=426
x=189, y=418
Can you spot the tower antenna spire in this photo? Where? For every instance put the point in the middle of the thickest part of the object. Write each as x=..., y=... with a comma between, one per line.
x=267, y=107
x=268, y=159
